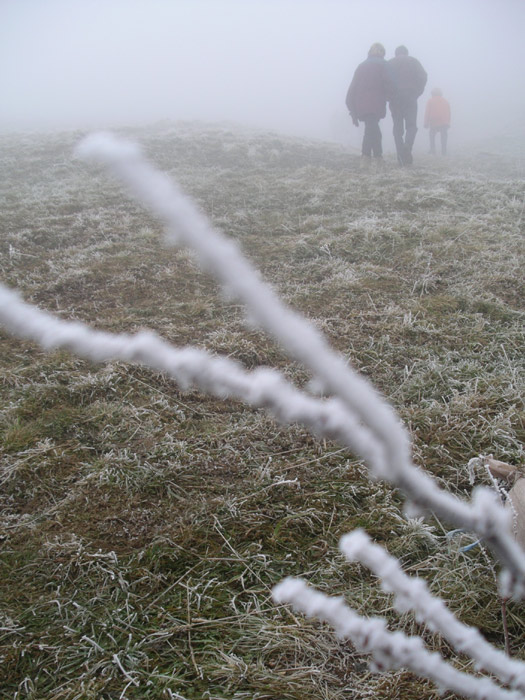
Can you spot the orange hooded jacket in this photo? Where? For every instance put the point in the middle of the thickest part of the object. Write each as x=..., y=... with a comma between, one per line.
x=437, y=113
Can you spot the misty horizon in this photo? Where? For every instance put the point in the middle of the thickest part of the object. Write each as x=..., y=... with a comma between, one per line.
x=283, y=66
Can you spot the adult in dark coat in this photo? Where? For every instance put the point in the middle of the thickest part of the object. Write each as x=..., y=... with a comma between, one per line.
x=366, y=99
x=407, y=79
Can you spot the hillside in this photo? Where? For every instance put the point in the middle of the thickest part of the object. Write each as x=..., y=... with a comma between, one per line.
x=141, y=527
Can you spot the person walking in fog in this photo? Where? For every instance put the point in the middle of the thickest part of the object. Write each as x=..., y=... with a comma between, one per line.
x=437, y=120
x=407, y=79
x=366, y=100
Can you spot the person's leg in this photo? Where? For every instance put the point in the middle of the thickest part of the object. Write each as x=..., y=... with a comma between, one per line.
x=366, y=148
x=410, y=113
x=377, y=138
x=444, y=139
x=398, y=129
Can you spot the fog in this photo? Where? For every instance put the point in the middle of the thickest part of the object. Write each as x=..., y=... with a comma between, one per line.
x=283, y=65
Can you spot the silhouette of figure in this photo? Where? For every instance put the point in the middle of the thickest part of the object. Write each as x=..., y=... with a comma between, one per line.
x=407, y=79
x=437, y=120
x=366, y=99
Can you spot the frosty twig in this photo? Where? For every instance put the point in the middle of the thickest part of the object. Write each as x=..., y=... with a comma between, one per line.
x=386, y=443
x=413, y=594
x=354, y=415
x=388, y=649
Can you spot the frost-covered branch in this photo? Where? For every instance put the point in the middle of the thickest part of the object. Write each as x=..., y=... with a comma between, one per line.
x=221, y=257
x=356, y=417
x=390, y=650
x=190, y=367
x=413, y=594
x=390, y=457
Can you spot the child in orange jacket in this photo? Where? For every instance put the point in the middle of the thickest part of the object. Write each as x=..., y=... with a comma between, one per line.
x=437, y=120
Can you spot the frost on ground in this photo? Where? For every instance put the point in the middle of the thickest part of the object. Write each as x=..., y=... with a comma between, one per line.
x=415, y=276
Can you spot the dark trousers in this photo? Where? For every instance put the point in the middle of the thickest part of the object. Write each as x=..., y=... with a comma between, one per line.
x=372, y=138
x=404, y=115
x=443, y=132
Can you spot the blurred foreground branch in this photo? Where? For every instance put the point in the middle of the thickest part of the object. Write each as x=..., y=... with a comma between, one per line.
x=354, y=415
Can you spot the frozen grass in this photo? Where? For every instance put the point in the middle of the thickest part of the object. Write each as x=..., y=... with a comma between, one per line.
x=142, y=529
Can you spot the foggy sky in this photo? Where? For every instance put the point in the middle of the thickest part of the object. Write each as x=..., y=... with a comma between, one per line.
x=284, y=65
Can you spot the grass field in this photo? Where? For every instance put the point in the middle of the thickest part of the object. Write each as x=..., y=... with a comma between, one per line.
x=142, y=528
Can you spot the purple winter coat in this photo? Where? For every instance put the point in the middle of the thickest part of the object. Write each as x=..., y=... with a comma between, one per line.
x=367, y=93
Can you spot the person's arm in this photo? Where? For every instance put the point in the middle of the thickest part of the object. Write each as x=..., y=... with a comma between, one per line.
x=422, y=77
x=350, y=98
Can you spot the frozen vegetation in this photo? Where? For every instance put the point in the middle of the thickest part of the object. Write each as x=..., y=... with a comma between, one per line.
x=144, y=529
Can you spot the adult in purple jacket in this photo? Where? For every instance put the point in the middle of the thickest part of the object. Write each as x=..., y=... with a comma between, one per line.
x=366, y=99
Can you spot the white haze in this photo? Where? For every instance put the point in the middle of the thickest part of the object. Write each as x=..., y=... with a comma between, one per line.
x=283, y=65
